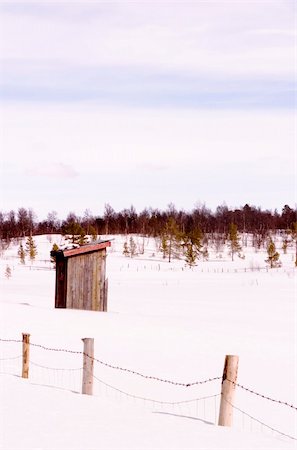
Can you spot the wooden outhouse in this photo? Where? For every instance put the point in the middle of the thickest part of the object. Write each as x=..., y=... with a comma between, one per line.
x=81, y=277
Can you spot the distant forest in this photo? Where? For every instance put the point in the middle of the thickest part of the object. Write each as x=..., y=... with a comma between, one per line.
x=150, y=222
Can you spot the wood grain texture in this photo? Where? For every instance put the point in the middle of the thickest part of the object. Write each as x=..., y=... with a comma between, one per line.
x=26, y=355
x=85, y=281
x=228, y=390
x=88, y=366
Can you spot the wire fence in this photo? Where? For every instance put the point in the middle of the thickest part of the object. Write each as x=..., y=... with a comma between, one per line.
x=211, y=267
x=201, y=407
x=261, y=423
x=214, y=266
x=263, y=396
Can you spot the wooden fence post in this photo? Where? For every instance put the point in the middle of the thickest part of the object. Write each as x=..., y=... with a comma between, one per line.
x=228, y=390
x=26, y=354
x=88, y=366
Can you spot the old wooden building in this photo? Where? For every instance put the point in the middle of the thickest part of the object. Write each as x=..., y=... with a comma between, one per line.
x=81, y=277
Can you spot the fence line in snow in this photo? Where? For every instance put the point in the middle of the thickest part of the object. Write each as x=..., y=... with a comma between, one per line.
x=157, y=267
x=244, y=413
x=263, y=396
x=201, y=269
x=230, y=384
x=154, y=401
x=149, y=377
x=111, y=366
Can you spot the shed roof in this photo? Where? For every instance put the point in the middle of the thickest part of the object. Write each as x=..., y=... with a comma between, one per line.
x=86, y=248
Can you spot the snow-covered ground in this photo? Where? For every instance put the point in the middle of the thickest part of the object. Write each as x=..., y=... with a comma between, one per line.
x=166, y=321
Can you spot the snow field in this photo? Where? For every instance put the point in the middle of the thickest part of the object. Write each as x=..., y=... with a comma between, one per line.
x=163, y=320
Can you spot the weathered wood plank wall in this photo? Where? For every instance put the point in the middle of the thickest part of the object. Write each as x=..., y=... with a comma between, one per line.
x=86, y=280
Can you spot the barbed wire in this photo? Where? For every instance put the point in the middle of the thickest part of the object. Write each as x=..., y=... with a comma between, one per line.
x=43, y=347
x=160, y=402
x=262, y=395
x=133, y=372
x=11, y=340
x=260, y=422
x=151, y=377
x=111, y=366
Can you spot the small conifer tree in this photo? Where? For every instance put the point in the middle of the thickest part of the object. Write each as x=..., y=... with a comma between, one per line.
x=193, y=246
x=31, y=248
x=273, y=255
x=164, y=245
x=132, y=247
x=170, y=239
x=233, y=239
x=126, y=251
x=8, y=272
x=82, y=239
x=73, y=231
x=21, y=253
x=205, y=253
x=285, y=246
x=190, y=255
x=55, y=248
x=93, y=233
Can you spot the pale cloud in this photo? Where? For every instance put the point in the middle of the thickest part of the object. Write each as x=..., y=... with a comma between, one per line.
x=196, y=36
x=26, y=81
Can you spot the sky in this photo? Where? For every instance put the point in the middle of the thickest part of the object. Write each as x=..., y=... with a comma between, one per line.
x=147, y=103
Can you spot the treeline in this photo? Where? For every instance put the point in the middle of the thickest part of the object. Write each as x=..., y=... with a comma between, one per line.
x=149, y=222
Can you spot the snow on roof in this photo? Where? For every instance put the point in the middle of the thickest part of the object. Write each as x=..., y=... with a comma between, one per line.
x=75, y=249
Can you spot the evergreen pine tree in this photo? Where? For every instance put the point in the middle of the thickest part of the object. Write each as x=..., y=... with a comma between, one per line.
x=126, y=251
x=55, y=248
x=233, y=239
x=192, y=242
x=195, y=236
x=285, y=246
x=74, y=232
x=21, y=253
x=164, y=245
x=82, y=238
x=273, y=255
x=93, y=233
x=205, y=253
x=8, y=272
x=170, y=239
x=190, y=255
x=132, y=247
x=31, y=248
